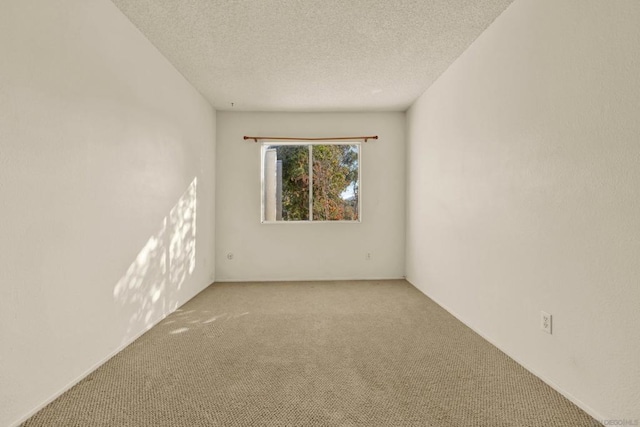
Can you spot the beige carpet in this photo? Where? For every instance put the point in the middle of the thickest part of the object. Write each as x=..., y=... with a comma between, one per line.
x=366, y=353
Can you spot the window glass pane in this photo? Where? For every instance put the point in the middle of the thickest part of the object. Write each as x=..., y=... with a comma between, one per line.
x=286, y=183
x=335, y=182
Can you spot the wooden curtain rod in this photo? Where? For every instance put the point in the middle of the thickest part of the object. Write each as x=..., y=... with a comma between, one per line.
x=338, y=138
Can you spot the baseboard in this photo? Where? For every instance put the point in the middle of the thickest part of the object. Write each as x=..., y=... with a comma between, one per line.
x=98, y=364
x=546, y=380
x=580, y=404
x=304, y=279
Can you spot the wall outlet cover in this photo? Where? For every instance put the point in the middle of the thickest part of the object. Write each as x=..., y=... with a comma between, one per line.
x=545, y=322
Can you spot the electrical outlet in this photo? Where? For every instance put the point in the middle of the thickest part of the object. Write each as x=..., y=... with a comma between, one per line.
x=230, y=256
x=368, y=256
x=545, y=322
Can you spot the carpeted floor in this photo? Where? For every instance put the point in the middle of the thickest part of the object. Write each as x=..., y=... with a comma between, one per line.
x=366, y=353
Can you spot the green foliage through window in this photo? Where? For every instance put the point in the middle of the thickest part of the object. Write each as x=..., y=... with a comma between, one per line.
x=319, y=178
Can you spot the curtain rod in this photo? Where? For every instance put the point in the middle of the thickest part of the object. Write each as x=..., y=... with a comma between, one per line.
x=338, y=138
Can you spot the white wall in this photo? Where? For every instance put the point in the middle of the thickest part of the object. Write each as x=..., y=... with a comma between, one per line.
x=105, y=154
x=523, y=194
x=311, y=251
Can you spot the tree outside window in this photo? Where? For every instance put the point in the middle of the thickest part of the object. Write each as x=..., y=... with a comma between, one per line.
x=321, y=179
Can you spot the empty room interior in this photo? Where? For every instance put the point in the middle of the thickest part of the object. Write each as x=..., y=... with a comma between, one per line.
x=293, y=212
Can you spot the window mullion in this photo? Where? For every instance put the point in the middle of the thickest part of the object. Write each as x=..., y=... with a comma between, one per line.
x=310, y=182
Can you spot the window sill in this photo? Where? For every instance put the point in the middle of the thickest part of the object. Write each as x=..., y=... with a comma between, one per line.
x=309, y=222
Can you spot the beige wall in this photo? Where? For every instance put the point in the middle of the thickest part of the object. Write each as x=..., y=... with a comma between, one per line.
x=310, y=251
x=106, y=152
x=523, y=194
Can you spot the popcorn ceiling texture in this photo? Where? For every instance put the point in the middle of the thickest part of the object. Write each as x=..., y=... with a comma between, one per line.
x=331, y=55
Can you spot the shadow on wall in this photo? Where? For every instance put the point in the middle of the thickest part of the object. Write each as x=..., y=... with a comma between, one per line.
x=150, y=288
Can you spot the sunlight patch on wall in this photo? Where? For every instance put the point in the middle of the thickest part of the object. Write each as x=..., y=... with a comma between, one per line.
x=149, y=289
x=182, y=245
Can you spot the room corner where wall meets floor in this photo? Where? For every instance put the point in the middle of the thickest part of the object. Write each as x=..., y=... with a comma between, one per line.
x=332, y=353
x=522, y=163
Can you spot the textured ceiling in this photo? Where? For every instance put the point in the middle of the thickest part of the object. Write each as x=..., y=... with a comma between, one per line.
x=311, y=55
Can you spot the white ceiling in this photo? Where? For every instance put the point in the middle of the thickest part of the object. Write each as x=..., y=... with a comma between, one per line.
x=312, y=55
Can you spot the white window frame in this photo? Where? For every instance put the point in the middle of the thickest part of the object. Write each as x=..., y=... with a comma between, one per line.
x=266, y=143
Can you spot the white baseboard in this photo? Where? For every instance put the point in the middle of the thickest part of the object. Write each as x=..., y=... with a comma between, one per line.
x=303, y=279
x=580, y=404
x=548, y=381
x=97, y=365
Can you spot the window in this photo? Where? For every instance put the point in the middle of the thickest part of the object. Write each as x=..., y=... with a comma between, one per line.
x=310, y=182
